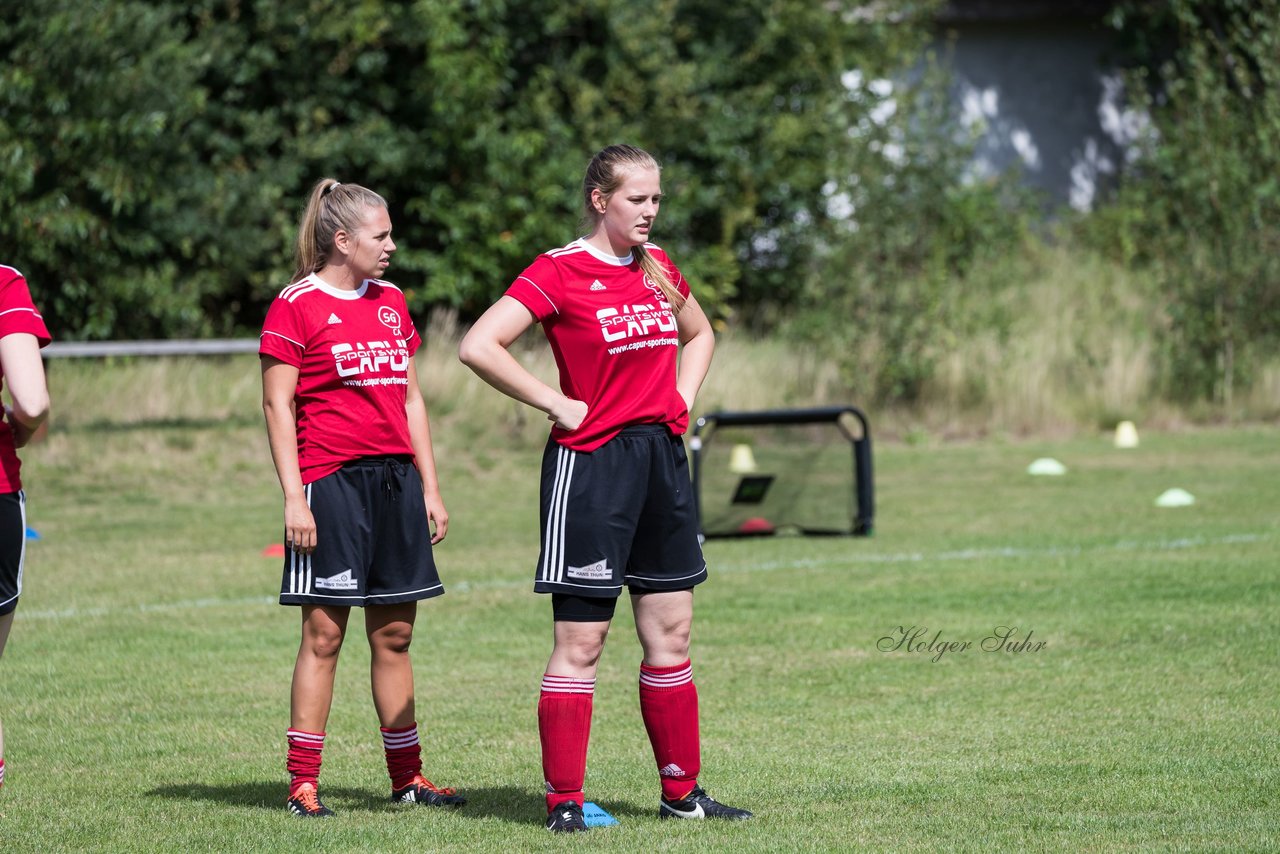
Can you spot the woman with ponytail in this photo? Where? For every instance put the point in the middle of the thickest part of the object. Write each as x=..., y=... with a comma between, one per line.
x=633, y=348
x=351, y=442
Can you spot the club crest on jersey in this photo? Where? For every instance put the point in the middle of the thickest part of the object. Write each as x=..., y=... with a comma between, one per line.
x=390, y=318
x=352, y=360
x=653, y=286
x=629, y=321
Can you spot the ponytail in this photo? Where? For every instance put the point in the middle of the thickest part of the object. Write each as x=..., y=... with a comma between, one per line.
x=331, y=207
x=605, y=173
x=658, y=274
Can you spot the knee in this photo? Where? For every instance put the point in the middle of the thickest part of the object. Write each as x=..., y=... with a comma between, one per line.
x=582, y=656
x=392, y=640
x=582, y=648
x=668, y=644
x=323, y=642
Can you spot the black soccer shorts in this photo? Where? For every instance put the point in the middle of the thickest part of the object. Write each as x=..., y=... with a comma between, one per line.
x=13, y=548
x=621, y=514
x=373, y=540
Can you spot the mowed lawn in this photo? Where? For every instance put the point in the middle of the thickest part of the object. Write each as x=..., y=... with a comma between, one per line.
x=144, y=692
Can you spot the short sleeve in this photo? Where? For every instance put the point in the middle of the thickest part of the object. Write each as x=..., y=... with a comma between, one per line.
x=539, y=288
x=18, y=314
x=282, y=335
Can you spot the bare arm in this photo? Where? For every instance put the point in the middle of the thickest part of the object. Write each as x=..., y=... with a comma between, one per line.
x=424, y=457
x=24, y=374
x=485, y=350
x=698, y=342
x=279, y=382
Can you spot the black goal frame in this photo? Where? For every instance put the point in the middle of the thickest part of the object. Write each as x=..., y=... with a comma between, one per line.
x=863, y=482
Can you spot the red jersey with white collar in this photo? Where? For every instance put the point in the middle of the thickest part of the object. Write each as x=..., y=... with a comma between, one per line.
x=352, y=351
x=18, y=314
x=613, y=335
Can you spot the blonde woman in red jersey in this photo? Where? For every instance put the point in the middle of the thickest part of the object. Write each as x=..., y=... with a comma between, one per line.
x=22, y=334
x=352, y=448
x=617, y=506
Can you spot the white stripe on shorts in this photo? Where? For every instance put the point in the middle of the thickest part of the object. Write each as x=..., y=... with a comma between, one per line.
x=553, y=561
x=22, y=549
x=299, y=564
x=22, y=555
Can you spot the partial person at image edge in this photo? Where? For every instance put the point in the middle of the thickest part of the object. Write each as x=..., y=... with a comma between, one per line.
x=22, y=334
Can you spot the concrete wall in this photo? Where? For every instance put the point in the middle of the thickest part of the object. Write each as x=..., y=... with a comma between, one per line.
x=1041, y=97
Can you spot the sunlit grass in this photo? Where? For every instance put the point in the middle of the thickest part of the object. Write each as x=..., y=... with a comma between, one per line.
x=147, y=675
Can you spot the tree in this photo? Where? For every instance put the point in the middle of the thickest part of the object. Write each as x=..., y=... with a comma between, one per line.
x=161, y=150
x=1204, y=201
x=93, y=102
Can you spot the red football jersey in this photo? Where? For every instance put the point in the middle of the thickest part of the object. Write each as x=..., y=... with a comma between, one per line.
x=17, y=314
x=352, y=351
x=614, y=338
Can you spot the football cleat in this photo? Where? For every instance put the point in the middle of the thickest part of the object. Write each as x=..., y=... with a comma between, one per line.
x=305, y=803
x=422, y=791
x=566, y=818
x=698, y=804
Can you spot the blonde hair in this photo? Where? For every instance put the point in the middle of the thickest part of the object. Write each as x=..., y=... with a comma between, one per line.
x=332, y=207
x=606, y=172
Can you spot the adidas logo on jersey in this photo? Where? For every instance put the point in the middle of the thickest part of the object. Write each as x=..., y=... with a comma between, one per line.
x=596, y=286
x=333, y=318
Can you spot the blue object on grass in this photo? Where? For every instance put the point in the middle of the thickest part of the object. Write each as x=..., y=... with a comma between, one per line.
x=596, y=817
x=33, y=534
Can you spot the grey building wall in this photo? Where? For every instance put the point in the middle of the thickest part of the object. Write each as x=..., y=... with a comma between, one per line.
x=1040, y=96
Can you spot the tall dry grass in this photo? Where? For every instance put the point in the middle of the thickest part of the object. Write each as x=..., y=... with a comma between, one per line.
x=1068, y=342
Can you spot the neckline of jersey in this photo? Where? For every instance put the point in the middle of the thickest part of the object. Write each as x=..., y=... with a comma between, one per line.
x=339, y=293
x=612, y=260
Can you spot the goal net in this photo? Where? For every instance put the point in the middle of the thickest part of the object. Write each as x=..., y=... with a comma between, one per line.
x=803, y=471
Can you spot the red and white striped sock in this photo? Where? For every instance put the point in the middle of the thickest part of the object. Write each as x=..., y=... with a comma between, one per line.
x=669, y=706
x=404, y=754
x=564, y=726
x=303, y=762
x=1, y=772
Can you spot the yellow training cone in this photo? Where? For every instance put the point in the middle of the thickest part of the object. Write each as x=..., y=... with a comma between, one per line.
x=1126, y=435
x=742, y=461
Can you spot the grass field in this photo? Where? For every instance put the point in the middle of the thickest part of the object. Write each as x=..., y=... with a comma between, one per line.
x=144, y=692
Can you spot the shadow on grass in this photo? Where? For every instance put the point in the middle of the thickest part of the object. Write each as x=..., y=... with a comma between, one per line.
x=207, y=422
x=505, y=803
x=526, y=806
x=265, y=795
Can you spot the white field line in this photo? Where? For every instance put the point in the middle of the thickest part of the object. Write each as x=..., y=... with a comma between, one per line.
x=766, y=566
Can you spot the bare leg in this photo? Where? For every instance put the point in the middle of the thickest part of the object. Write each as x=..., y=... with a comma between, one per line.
x=5, y=623
x=577, y=648
x=663, y=622
x=323, y=628
x=390, y=631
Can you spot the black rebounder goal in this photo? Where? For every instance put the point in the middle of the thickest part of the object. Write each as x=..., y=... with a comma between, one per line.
x=802, y=471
